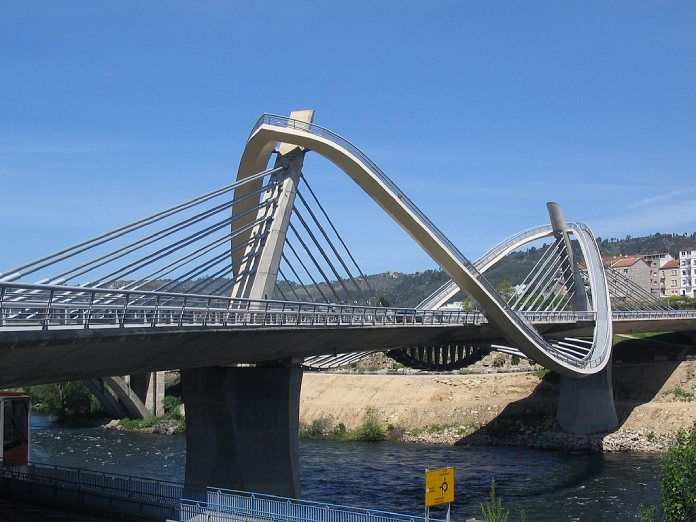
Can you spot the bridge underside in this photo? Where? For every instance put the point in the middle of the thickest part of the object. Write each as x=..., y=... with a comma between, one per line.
x=36, y=356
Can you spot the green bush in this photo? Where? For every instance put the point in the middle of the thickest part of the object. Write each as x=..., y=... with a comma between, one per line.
x=63, y=400
x=678, y=479
x=171, y=405
x=499, y=361
x=494, y=511
x=318, y=429
x=681, y=393
x=371, y=428
x=339, y=432
x=541, y=374
x=135, y=424
x=646, y=513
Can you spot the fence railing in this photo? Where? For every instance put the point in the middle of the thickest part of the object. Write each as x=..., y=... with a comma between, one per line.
x=161, y=500
x=51, y=307
x=222, y=505
x=54, y=306
x=148, y=498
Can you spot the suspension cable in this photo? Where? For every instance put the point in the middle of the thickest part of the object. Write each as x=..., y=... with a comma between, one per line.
x=326, y=237
x=316, y=264
x=336, y=232
x=37, y=264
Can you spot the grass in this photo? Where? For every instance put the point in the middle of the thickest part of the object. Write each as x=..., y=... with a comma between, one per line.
x=371, y=429
x=172, y=417
x=682, y=394
x=495, y=511
x=138, y=424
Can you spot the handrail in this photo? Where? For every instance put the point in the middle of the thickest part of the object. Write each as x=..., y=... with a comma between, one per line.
x=484, y=262
x=177, y=501
x=534, y=339
x=45, y=309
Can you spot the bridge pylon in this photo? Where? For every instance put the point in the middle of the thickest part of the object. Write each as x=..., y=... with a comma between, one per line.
x=585, y=405
x=256, y=269
x=250, y=441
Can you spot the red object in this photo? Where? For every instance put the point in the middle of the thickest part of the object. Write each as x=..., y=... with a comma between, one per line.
x=15, y=414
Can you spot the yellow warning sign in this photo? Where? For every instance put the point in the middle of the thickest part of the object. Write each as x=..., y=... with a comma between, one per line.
x=439, y=486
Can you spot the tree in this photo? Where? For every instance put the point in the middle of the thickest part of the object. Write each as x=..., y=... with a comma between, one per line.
x=678, y=479
x=63, y=399
x=505, y=289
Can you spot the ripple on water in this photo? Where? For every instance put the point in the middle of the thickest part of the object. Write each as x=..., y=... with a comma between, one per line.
x=549, y=486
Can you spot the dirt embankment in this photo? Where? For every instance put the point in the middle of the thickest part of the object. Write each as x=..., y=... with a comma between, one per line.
x=509, y=408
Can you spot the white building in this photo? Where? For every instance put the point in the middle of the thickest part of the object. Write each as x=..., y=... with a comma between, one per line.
x=687, y=269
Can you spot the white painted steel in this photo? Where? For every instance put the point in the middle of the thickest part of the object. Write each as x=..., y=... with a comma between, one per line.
x=277, y=129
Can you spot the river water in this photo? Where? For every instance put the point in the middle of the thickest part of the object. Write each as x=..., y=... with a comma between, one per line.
x=549, y=486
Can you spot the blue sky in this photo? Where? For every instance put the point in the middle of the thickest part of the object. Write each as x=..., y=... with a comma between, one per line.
x=480, y=111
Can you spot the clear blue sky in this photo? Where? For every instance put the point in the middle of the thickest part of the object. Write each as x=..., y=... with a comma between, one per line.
x=480, y=111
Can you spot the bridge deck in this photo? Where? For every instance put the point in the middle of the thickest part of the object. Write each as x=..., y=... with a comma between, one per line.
x=33, y=355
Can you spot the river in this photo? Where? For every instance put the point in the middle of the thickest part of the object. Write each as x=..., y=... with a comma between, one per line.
x=549, y=486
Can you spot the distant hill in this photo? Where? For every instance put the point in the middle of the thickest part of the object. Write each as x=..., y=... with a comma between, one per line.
x=407, y=290
x=655, y=243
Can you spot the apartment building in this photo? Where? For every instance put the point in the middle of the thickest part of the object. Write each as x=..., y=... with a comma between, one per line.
x=633, y=267
x=687, y=272
x=655, y=262
x=670, y=283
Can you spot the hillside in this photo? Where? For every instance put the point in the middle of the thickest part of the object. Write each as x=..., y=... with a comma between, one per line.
x=407, y=290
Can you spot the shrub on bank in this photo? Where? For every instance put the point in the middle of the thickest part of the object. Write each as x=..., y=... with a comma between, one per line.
x=677, y=483
x=495, y=511
x=371, y=429
x=319, y=429
x=64, y=400
x=678, y=478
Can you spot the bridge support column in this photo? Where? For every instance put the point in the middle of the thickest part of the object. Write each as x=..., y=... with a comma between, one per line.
x=587, y=405
x=242, y=428
x=149, y=388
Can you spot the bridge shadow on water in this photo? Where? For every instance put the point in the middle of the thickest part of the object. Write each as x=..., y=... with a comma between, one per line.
x=640, y=369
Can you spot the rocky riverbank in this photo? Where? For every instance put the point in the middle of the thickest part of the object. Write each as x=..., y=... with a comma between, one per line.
x=543, y=435
x=497, y=402
x=161, y=425
x=654, y=399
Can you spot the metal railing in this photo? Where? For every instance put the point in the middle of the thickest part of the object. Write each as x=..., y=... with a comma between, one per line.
x=109, y=491
x=522, y=326
x=55, y=307
x=224, y=505
x=159, y=499
x=24, y=305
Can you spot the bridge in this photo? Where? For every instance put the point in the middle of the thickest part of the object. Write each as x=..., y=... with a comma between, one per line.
x=215, y=286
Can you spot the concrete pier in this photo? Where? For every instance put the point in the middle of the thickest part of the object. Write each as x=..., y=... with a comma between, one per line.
x=587, y=405
x=242, y=428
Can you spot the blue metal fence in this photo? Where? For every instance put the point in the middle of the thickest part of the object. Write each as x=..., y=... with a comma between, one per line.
x=222, y=505
x=160, y=500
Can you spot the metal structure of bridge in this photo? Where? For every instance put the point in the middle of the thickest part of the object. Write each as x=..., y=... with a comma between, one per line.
x=216, y=284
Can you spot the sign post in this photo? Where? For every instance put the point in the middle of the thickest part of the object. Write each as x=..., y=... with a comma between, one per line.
x=439, y=489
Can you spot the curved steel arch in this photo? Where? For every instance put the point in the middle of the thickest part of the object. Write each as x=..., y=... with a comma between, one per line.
x=443, y=294
x=270, y=130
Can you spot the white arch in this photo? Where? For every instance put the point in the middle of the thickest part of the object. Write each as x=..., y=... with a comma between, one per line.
x=443, y=294
x=274, y=129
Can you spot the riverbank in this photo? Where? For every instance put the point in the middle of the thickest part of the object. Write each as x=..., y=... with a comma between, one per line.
x=653, y=400
x=496, y=402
